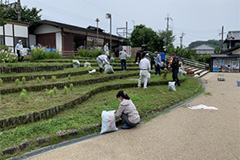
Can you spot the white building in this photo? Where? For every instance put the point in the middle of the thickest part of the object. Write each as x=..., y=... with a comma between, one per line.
x=13, y=31
x=204, y=49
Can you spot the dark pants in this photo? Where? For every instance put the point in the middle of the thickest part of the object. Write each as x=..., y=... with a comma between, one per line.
x=152, y=64
x=20, y=58
x=100, y=70
x=175, y=76
x=125, y=119
x=157, y=69
x=138, y=56
x=123, y=64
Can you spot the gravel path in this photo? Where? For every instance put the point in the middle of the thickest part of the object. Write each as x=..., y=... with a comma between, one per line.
x=181, y=134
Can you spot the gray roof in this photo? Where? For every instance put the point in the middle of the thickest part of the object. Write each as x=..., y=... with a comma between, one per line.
x=203, y=47
x=233, y=35
x=225, y=55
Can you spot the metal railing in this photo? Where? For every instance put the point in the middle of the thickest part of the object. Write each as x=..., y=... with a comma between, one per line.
x=194, y=63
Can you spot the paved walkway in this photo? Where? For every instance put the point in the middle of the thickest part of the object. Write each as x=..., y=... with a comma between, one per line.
x=181, y=134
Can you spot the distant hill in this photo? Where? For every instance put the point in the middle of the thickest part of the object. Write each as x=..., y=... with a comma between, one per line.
x=212, y=43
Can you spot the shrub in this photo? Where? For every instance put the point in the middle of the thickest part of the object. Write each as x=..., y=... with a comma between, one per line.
x=71, y=87
x=23, y=80
x=43, y=79
x=89, y=53
x=5, y=55
x=23, y=96
x=69, y=76
x=65, y=90
x=54, y=78
x=55, y=90
x=24, y=91
x=39, y=53
x=51, y=93
x=38, y=80
x=0, y=99
x=1, y=81
x=17, y=82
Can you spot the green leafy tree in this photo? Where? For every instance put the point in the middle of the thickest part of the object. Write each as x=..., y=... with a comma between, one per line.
x=143, y=35
x=212, y=43
x=167, y=37
x=3, y=15
x=27, y=14
x=217, y=50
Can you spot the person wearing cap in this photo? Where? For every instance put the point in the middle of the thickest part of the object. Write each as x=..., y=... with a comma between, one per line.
x=175, y=68
x=123, y=56
x=100, y=59
x=144, y=68
x=19, y=49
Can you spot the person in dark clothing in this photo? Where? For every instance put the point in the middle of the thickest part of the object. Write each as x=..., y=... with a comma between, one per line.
x=138, y=56
x=175, y=68
x=152, y=57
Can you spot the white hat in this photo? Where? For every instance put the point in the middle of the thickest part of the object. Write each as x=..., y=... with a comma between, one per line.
x=19, y=40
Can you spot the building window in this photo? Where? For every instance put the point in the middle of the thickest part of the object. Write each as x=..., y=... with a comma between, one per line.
x=1, y=40
x=24, y=41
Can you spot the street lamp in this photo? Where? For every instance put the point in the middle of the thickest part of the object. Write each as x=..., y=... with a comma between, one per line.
x=97, y=20
x=109, y=16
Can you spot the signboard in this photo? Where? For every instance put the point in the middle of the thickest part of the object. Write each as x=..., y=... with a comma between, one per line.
x=93, y=41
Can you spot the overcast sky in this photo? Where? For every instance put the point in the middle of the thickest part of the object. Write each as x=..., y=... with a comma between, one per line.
x=198, y=19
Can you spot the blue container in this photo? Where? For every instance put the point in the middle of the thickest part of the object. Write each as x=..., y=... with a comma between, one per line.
x=238, y=83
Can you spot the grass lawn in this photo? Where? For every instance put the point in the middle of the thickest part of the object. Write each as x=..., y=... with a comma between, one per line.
x=63, y=80
x=89, y=112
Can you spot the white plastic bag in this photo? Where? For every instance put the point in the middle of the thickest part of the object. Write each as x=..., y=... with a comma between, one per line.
x=111, y=60
x=108, y=122
x=181, y=72
x=171, y=86
x=108, y=69
x=92, y=71
x=87, y=64
x=76, y=63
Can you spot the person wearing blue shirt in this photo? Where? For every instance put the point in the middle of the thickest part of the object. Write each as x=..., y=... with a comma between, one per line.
x=163, y=56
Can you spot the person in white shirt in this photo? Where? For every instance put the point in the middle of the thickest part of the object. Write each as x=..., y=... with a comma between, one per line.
x=100, y=60
x=19, y=49
x=106, y=50
x=144, y=68
x=123, y=56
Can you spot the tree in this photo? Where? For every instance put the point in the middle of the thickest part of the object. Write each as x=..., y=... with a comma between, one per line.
x=143, y=35
x=27, y=15
x=3, y=14
x=168, y=38
x=212, y=43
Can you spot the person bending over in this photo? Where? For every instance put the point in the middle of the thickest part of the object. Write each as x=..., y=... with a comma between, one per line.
x=127, y=111
x=100, y=59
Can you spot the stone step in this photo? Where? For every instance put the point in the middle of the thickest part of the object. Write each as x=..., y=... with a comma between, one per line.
x=204, y=73
x=198, y=71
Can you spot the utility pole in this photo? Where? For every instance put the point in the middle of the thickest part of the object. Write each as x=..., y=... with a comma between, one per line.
x=19, y=10
x=126, y=29
x=168, y=18
x=181, y=39
x=222, y=38
x=222, y=34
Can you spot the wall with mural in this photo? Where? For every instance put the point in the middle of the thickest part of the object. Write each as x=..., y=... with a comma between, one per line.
x=226, y=65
